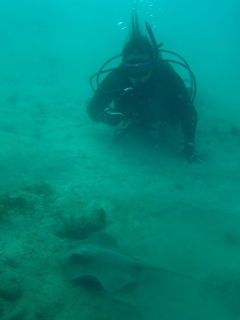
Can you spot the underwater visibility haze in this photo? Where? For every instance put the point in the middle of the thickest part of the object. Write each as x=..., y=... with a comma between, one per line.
x=139, y=232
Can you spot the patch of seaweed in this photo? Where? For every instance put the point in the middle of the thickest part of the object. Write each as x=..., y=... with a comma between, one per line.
x=40, y=189
x=10, y=205
x=80, y=227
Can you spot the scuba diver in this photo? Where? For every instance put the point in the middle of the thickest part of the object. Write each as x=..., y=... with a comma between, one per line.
x=146, y=91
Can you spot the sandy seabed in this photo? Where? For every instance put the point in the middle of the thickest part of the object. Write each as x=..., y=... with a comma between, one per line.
x=185, y=218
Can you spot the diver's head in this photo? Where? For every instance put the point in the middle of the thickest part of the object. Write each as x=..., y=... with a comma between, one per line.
x=138, y=59
x=138, y=54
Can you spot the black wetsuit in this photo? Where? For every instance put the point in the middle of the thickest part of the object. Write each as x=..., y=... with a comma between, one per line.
x=163, y=98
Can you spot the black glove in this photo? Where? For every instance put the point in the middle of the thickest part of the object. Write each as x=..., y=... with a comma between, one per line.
x=188, y=151
x=111, y=117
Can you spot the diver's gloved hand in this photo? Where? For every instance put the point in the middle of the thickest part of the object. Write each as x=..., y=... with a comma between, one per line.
x=111, y=117
x=188, y=151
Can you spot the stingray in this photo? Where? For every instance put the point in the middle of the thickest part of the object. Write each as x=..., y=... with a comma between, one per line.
x=106, y=264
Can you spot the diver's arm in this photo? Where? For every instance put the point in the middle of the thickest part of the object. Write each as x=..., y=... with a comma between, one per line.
x=189, y=118
x=189, y=122
x=188, y=114
x=96, y=111
x=103, y=97
x=97, y=105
